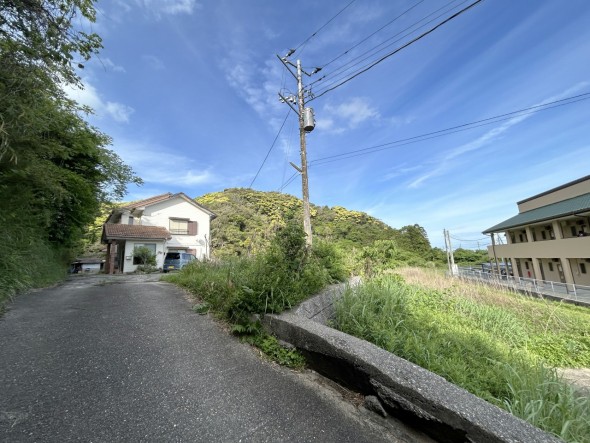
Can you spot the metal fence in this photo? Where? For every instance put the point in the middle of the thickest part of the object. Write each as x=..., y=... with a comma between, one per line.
x=565, y=291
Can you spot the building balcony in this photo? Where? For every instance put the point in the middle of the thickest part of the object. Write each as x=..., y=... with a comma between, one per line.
x=576, y=247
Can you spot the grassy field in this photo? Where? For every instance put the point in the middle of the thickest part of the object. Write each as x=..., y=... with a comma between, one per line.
x=500, y=346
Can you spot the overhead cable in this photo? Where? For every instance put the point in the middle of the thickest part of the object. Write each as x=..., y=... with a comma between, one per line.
x=451, y=130
x=270, y=149
x=324, y=25
x=414, y=40
x=381, y=46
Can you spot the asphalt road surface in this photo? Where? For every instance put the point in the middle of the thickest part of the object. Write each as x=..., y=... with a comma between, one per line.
x=100, y=360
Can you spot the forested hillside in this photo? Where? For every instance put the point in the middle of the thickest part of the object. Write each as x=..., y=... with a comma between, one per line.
x=55, y=169
x=247, y=221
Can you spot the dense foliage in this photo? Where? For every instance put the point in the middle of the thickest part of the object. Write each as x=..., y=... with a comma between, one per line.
x=237, y=289
x=55, y=169
x=497, y=345
x=247, y=221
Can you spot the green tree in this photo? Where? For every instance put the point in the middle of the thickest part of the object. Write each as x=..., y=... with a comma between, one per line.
x=55, y=169
x=413, y=238
x=144, y=256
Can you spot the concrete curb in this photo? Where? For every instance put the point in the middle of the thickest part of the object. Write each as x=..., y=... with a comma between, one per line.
x=417, y=396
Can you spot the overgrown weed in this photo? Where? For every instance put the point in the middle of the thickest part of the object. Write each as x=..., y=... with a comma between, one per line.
x=496, y=345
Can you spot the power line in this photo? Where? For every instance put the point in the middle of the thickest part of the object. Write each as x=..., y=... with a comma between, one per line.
x=270, y=149
x=451, y=130
x=374, y=50
x=371, y=35
x=442, y=132
x=414, y=40
x=288, y=182
x=324, y=25
x=477, y=240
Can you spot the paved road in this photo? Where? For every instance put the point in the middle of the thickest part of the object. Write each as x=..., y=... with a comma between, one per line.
x=116, y=360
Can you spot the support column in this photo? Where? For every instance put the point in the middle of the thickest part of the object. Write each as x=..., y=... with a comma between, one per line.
x=557, y=230
x=567, y=270
x=537, y=269
x=515, y=272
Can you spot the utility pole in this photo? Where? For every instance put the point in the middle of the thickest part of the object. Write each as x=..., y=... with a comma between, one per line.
x=449, y=248
x=306, y=124
x=304, y=176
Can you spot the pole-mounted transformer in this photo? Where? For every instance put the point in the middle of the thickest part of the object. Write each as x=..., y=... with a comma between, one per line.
x=308, y=120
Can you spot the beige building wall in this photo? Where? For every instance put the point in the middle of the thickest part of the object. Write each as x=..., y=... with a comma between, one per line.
x=555, y=195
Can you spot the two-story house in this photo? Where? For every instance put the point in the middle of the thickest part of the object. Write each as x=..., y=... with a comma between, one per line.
x=164, y=223
x=549, y=238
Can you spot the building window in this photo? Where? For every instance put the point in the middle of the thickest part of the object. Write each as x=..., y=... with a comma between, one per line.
x=130, y=222
x=583, y=268
x=150, y=246
x=183, y=227
x=178, y=226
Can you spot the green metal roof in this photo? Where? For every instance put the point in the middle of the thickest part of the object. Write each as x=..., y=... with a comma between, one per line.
x=563, y=208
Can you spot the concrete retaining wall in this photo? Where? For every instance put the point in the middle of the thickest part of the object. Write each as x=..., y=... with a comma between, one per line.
x=393, y=385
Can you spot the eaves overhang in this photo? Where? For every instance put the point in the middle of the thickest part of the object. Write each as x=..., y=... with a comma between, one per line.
x=575, y=206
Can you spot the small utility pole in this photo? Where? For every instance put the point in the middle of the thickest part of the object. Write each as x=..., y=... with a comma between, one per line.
x=449, y=248
x=306, y=124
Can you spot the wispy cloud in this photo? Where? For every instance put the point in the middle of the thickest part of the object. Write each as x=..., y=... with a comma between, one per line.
x=109, y=65
x=89, y=96
x=347, y=115
x=445, y=163
x=157, y=164
x=169, y=7
x=258, y=86
x=153, y=62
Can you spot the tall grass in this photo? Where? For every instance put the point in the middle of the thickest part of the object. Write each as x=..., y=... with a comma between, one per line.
x=27, y=262
x=480, y=339
x=273, y=281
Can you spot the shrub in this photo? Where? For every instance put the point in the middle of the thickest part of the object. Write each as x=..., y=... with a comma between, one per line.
x=144, y=256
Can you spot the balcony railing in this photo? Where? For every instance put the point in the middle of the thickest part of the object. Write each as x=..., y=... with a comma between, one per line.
x=564, y=291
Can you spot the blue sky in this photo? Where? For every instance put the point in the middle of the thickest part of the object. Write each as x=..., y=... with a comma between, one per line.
x=188, y=91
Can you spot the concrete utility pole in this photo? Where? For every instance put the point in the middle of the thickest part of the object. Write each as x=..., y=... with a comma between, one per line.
x=306, y=124
x=449, y=248
x=304, y=176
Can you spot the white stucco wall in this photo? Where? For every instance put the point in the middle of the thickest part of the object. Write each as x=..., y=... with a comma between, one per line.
x=159, y=214
x=128, y=265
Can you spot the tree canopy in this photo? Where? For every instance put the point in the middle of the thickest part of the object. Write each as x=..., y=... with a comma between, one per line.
x=247, y=221
x=55, y=169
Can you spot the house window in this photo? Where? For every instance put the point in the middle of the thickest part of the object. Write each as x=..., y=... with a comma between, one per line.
x=150, y=246
x=130, y=222
x=583, y=268
x=183, y=227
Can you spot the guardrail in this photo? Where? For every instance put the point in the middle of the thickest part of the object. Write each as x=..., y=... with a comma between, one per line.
x=565, y=291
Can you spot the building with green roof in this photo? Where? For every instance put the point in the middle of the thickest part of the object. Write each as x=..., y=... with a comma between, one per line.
x=549, y=238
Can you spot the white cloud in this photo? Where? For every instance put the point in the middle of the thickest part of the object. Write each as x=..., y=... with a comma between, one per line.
x=89, y=96
x=169, y=7
x=110, y=65
x=445, y=163
x=118, y=111
x=347, y=115
x=153, y=62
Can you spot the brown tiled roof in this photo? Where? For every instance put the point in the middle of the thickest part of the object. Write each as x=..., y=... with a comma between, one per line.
x=114, y=231
x=148, y=201
x=164, y=197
